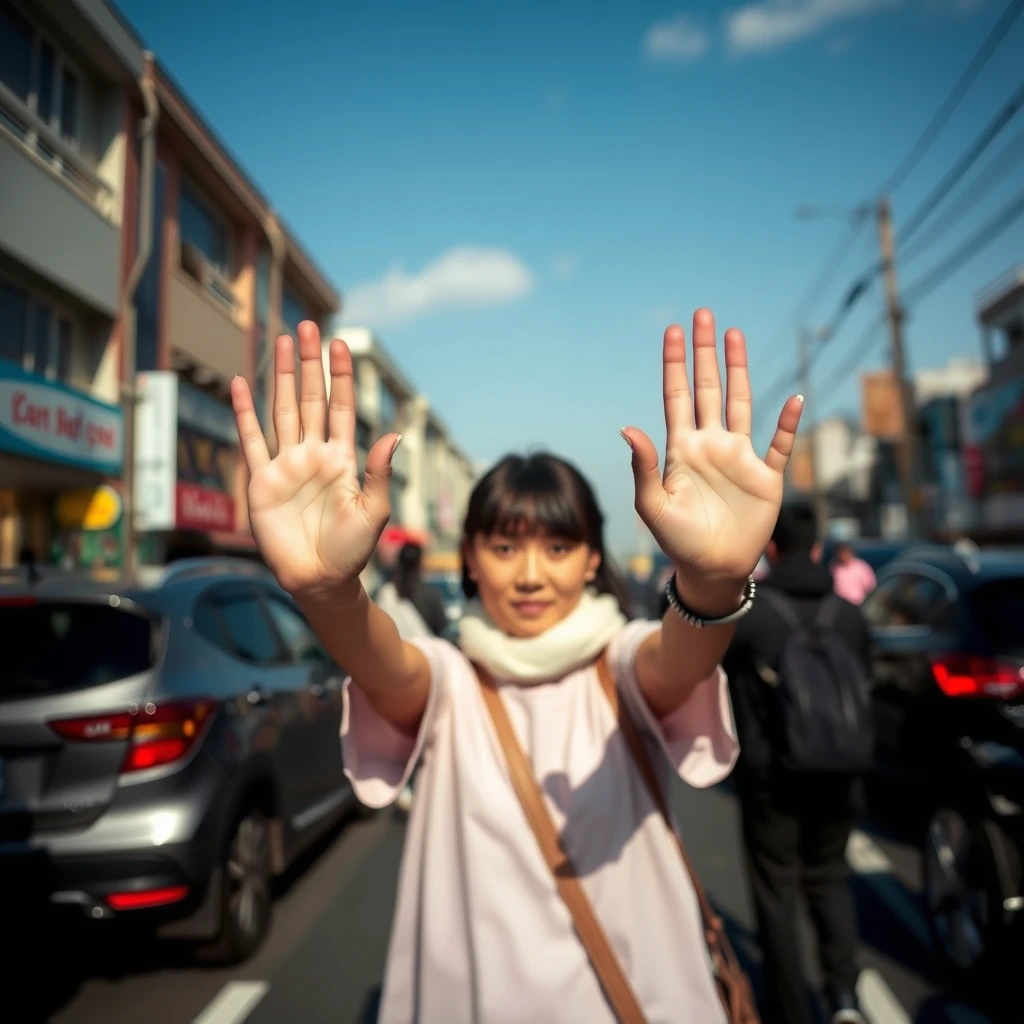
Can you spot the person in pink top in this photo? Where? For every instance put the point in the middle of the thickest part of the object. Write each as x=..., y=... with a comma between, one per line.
x=852, y=578
x=480, y=934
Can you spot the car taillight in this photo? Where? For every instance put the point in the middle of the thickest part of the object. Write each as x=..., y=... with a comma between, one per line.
x=157, y=734
x=146, y=898
x=965, y=675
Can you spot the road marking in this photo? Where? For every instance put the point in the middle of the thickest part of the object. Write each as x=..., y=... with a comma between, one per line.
x=868, y=860
x=881, y=1006
x=235, y=1001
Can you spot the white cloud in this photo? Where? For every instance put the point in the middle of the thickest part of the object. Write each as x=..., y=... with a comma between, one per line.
x=564, y=265
x=772, y=24
x=678, y=39
x=461, y=278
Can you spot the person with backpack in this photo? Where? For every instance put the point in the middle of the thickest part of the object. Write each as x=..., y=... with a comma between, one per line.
x=798, y=669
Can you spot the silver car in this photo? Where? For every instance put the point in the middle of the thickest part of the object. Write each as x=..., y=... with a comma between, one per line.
x=168, y=745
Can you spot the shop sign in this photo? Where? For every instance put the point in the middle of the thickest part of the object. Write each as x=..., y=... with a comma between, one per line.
x=156, y=443
x=199, y=508
x=45, y=420
x=91, y=510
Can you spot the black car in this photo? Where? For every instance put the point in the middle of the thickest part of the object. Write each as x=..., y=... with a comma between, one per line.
x=948, y=675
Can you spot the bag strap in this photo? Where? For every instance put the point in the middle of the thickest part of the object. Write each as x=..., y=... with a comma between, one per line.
x=602, y=956
x=783, y=606
x=635, y=743
x=827, y=611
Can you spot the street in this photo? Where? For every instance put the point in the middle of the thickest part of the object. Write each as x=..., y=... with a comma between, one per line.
x=324, y=960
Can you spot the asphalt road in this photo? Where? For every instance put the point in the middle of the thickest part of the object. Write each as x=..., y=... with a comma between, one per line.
x=324, y=960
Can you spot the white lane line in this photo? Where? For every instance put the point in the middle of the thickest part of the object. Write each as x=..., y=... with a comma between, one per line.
x=868, y=860
x=235, y=1001
x=876, y=998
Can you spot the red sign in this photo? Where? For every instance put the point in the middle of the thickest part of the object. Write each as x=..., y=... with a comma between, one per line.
x=198, y=508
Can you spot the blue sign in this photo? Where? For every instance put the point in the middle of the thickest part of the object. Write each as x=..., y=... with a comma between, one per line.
x=43, y=419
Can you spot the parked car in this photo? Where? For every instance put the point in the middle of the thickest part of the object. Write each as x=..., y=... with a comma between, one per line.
x=168, y=744
x=948, y=630
x=449, y=586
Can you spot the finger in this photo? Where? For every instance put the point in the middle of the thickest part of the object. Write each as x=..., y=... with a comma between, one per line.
x=650, y=494
x=785, y=435
x=377, y=480
x=250, y=434
x=738, y=407
x=286, y=408
x=707, y=384
x=675, y=386
x=312, y=391
x=341, y=413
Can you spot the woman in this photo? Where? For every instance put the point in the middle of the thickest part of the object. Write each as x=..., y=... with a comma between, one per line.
x=480, y=934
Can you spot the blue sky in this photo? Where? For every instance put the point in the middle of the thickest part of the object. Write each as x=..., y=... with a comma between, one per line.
x=520, y=195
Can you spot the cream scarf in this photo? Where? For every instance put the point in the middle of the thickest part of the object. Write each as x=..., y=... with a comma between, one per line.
x=578, y=639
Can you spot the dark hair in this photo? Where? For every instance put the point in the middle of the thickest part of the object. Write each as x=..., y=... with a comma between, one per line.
x=526, y=493
x=407, y=569
x=796, y=530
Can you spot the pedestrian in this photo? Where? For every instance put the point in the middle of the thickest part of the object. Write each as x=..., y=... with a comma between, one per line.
x=417, y=612
x=796, y=822
x=852, y=577
x=532, y=814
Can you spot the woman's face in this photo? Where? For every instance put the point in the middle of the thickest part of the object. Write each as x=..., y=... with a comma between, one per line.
x=528, y=584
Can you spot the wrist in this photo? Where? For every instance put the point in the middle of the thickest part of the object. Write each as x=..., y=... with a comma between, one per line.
x=709, y=598
x=330, y=595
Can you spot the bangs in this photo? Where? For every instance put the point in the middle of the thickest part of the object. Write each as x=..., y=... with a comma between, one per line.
x=530, y=497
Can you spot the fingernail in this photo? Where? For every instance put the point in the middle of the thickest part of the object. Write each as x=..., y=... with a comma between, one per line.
x=800, y=399
x=398, y=441
x=622, y=434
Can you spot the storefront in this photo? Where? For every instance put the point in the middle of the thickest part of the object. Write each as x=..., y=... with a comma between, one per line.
x=60, y=461
x=188, y=471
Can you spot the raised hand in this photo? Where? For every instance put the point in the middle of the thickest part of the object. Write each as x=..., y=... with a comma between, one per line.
x=713, y=509
x=314, y=525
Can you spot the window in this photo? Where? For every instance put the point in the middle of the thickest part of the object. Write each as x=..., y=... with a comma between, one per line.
x=34, y=334
x=905, y=601
x=388, y=409
x=298, y=638
x=37, y=73
x=203, y=228
x=293, y=310
x=56, y=647
x=16, y=42
x=14, y=313
x=147, y=298
x=232, y=617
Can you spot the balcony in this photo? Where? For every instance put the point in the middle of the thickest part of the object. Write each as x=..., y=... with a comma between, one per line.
x=54, y=210
x=203, y=333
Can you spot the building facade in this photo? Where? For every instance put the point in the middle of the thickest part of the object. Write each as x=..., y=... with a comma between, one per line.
x=431, y=474
x=132, y=248
x=69, y=80
x=993, y=419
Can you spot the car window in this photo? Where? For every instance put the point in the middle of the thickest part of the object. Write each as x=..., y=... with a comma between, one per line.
x=232, y=617
x=999, y=609
x=60, y=646
x=299, y=640
x=905, y=600
x=877, y=607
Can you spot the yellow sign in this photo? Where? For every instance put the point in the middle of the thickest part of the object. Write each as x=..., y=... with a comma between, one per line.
x=97, y=509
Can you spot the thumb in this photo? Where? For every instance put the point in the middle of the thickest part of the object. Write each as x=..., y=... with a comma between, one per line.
x=646, y=477
x=377, y=480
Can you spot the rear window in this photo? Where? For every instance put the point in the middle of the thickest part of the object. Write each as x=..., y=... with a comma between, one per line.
x=999, y=610
x=55, y=647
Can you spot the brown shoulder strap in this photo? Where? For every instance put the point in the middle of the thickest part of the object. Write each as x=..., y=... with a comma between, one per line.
x=602, y=956
x=635, y=742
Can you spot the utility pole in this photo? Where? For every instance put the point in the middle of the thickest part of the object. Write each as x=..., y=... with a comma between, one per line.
x=894, y=311
x=805, y=340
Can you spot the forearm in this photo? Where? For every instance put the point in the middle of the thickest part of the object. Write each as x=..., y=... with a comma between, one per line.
x=364, y=641
x=679, y=656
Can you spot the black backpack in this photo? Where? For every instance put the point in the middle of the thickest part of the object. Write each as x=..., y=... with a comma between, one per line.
x=824, y=693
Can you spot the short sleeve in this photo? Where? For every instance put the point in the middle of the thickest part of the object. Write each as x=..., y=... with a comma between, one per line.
x=699, y=737
x=379, y=759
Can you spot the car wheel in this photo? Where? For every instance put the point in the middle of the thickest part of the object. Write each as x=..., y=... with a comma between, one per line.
x=971, y=872
x=247, y=897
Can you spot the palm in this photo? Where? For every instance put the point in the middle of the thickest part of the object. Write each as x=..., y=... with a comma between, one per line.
x=313, y=522
x=714, y=508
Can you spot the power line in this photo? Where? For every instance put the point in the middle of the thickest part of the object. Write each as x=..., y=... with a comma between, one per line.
x=863, y=348
x=963, y=165
x=980, y=190
x=963, y=83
